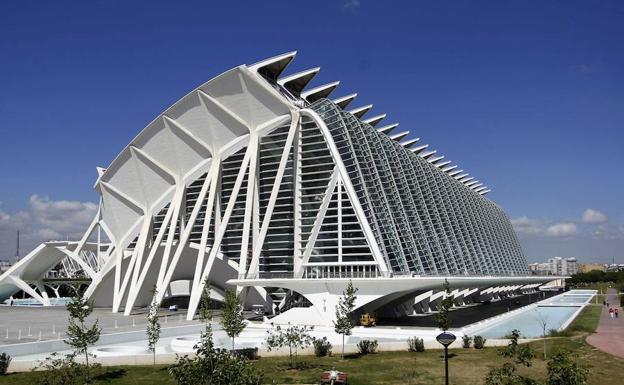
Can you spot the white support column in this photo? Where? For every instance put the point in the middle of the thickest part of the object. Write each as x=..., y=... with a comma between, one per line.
x=318, y=221
x=138, y=283
x=118, y=265
x=253, y=266
x=182, y=243
x=219, y=233
x=210, y=207
x=297, y=257
x=29, y=290
x=368, y=233
x=249, y=203
x=339, y=190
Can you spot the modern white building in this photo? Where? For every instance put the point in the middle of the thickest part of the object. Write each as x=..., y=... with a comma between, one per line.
x=258, y=182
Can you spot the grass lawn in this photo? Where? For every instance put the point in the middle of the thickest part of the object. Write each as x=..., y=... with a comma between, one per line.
x=587, y=321
x=468, y=366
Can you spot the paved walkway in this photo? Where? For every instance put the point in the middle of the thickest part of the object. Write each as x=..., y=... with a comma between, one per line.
x=610, y=334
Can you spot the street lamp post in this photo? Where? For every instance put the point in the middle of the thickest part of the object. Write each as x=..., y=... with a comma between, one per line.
x=446, y=338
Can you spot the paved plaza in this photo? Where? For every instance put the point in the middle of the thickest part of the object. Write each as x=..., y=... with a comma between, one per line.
x=19, y=324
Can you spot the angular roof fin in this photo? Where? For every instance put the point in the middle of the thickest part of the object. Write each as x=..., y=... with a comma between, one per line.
x=442, y=164
x=319, y=92
x=437, y=158
x=344, y=101
x=484, y=192
x=360, y=111
x=409, y=143
x=453, y=173
x=458, y=177
x=271, y=68
x=428, y=154
x=399, y=136
x=419, y=149
x=295, y=83
x=449, y=168
x=375, y=120
x=388, y=128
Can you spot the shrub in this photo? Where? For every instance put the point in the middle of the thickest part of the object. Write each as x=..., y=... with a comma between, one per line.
x=415, y=344
x=479, y=342
x=322, y=347
x=5, y=360
x=247, y=353
x=557, y=333
x=466, y=341
x=293, y=337
x=516, y=355
x=562, y=370
x=60, y=370
x=367, y=346
x=212, y=366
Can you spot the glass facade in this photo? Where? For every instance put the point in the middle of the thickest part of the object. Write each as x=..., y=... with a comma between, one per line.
x=423, y=220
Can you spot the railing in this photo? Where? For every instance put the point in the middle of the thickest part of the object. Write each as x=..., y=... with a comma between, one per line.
x=325, y=274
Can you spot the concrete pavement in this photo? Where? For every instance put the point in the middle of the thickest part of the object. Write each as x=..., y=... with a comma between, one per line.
x=609, y=336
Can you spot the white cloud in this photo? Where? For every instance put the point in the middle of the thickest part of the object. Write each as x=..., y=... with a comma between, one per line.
x=605, y=232
x=45, y=219
x=561, y=230
x=527, y=226
x=66, y=217
x=594, y=216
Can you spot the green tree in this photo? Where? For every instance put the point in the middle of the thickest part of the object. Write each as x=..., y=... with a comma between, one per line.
x=295, y=337
x=205, y=311
x=153, y=325
x=346, y=304
x=442, y=317
x=79, y=335
x=562, y=370
x=517, y=355
x=212, y=366
x=232, y=319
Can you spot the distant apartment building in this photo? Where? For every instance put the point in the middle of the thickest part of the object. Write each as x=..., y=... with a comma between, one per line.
x=555, y=266
x=616, y=267
x=540, y=268
x=587, y=267
x=563, y=266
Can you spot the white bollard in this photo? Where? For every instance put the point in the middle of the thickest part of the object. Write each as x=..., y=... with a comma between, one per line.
x=133, y=324
x=39, y=335
x=53, y=329
x=19, y=334
x=116, y=324
x=29, y=335
x=7, y=336
x=165, y=322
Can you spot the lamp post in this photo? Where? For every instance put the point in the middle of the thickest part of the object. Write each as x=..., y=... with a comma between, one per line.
x=446, y=338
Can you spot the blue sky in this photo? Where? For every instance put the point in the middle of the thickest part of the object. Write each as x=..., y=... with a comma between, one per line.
x=527, y=96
